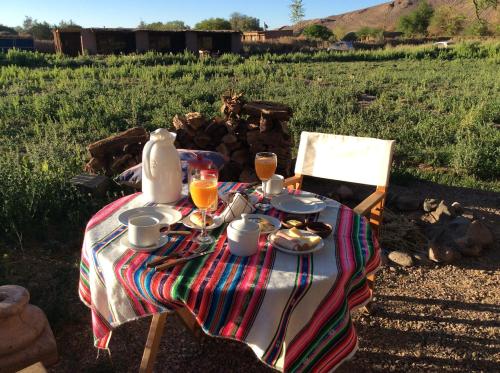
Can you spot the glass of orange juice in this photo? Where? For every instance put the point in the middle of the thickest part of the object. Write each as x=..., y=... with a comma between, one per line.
x=265, y=167
x=203, y=189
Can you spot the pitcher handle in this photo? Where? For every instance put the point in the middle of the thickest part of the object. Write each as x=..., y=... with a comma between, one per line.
x=146, y=165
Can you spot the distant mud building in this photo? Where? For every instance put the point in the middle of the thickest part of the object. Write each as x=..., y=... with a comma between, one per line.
x=266, y=35
x=75, y=41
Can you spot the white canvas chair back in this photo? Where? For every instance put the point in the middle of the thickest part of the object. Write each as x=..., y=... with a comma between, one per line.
x=361, y=160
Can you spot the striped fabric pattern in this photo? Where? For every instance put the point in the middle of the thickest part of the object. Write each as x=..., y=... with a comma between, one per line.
x=293, y=311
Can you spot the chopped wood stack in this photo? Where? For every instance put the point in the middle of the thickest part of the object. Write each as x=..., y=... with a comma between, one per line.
x=117, y=153
x=246, y=129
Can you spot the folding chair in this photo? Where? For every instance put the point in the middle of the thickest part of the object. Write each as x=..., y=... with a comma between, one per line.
x=360, y=160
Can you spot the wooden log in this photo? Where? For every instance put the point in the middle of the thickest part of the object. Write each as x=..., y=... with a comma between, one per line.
x=121, y=163
x=216, y=130
x=133, y=149
x=240, y=156
x=195, y=120
x=222, y=149
x=230, y=172
x=96, y=165
x=253, y=137
x=248, y=175
x=115, y=143
x=234, y=146
x=180, y=123
x=266, y=124
x=202, y=140
x=272, y=109
x=230, y=138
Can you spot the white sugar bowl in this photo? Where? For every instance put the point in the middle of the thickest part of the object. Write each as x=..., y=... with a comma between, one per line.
x=243, y=236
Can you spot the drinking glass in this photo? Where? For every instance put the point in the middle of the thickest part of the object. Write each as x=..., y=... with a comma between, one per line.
x=203, y=189
x=265, y=167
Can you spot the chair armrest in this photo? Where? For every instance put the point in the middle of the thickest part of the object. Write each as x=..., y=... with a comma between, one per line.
x=365, y=206
x=293, y=181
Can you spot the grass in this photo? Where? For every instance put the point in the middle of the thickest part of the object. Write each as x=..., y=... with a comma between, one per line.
x=440, y=106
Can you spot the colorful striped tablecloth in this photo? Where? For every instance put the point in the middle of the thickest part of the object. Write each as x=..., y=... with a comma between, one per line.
x=293, y=311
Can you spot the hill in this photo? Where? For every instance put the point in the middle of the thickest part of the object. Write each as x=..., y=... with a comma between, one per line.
x=386, y=15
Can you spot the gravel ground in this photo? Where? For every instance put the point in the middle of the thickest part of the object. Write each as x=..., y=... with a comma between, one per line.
x=427, y=318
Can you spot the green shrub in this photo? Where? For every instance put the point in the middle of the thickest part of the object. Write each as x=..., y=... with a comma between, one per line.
x=317, y=32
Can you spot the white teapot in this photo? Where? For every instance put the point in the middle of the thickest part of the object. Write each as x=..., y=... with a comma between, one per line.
x=243, y=236
x=161, y=168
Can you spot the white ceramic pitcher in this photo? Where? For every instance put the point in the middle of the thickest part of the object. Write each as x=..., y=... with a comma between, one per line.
x=161, y=168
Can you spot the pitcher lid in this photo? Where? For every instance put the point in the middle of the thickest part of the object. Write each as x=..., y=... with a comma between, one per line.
x=244, y=224
x=162, y=134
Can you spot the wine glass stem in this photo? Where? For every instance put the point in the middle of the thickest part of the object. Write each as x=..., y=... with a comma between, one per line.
x=204, y=227
x=264, y=195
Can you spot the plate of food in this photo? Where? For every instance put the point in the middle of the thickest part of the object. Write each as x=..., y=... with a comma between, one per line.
x=165, y=214
x=295, y=241
x=267, y=224
x=195, y=221
x=298, y=204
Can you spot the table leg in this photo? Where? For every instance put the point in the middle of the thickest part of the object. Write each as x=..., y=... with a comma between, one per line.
x=153, y=343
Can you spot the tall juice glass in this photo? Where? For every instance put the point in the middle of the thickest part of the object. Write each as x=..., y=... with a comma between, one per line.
x=203, y=189
x=265, y=167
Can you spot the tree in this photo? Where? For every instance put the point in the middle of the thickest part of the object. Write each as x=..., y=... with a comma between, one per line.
x=416, y=22
x=297, y=11
x=70, y=23
x=446, y=21
x=39, y=30
x=482, y=5
x=317, y=32
x=478, y=28
x=6, y=30
x=213, y=24
x=241, y=22
x=370, y=33
x=171, y=25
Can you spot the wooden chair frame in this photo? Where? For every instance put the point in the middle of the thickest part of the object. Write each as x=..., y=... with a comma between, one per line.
x=372, y=207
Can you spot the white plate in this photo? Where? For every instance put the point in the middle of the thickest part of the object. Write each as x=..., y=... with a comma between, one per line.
x=275, y=222
x=189, y=224
x=318, y=247
x=298, y=204
x=126, y=243
x=165, y=214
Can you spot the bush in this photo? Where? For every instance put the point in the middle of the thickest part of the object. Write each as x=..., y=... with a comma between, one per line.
x=370, y=33
x=478, y=28
x=213, y=24
x=446, y=21
x=417, y=22
x=317, y=32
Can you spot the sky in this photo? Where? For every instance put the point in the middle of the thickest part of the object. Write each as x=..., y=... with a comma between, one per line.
x=128, y=13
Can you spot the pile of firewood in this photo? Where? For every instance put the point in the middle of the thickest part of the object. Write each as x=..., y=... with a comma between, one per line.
x=117, y=153
x=247, y=128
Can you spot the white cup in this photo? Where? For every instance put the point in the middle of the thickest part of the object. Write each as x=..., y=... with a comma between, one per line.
x=274, y=185
x=144, y=231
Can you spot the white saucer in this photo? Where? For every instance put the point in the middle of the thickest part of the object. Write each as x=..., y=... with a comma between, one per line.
x=126, y=243
x=275, y=222
x=165, y=214
x=298, y=204
x=259, y=190
x=218, y=221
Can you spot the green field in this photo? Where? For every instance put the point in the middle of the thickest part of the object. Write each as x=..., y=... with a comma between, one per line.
x=440, y=106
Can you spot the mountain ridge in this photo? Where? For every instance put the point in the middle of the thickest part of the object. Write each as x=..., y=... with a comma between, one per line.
x=386, y=15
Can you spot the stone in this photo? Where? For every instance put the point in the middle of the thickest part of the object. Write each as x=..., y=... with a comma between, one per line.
x=26, y=337
x=401, y=258
x=345, y=193
x=479, y=234
x=443, y=254
x=457, y=208
x=430, y=204
x=407, y=202
x=422, y=259
x=442, y=212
